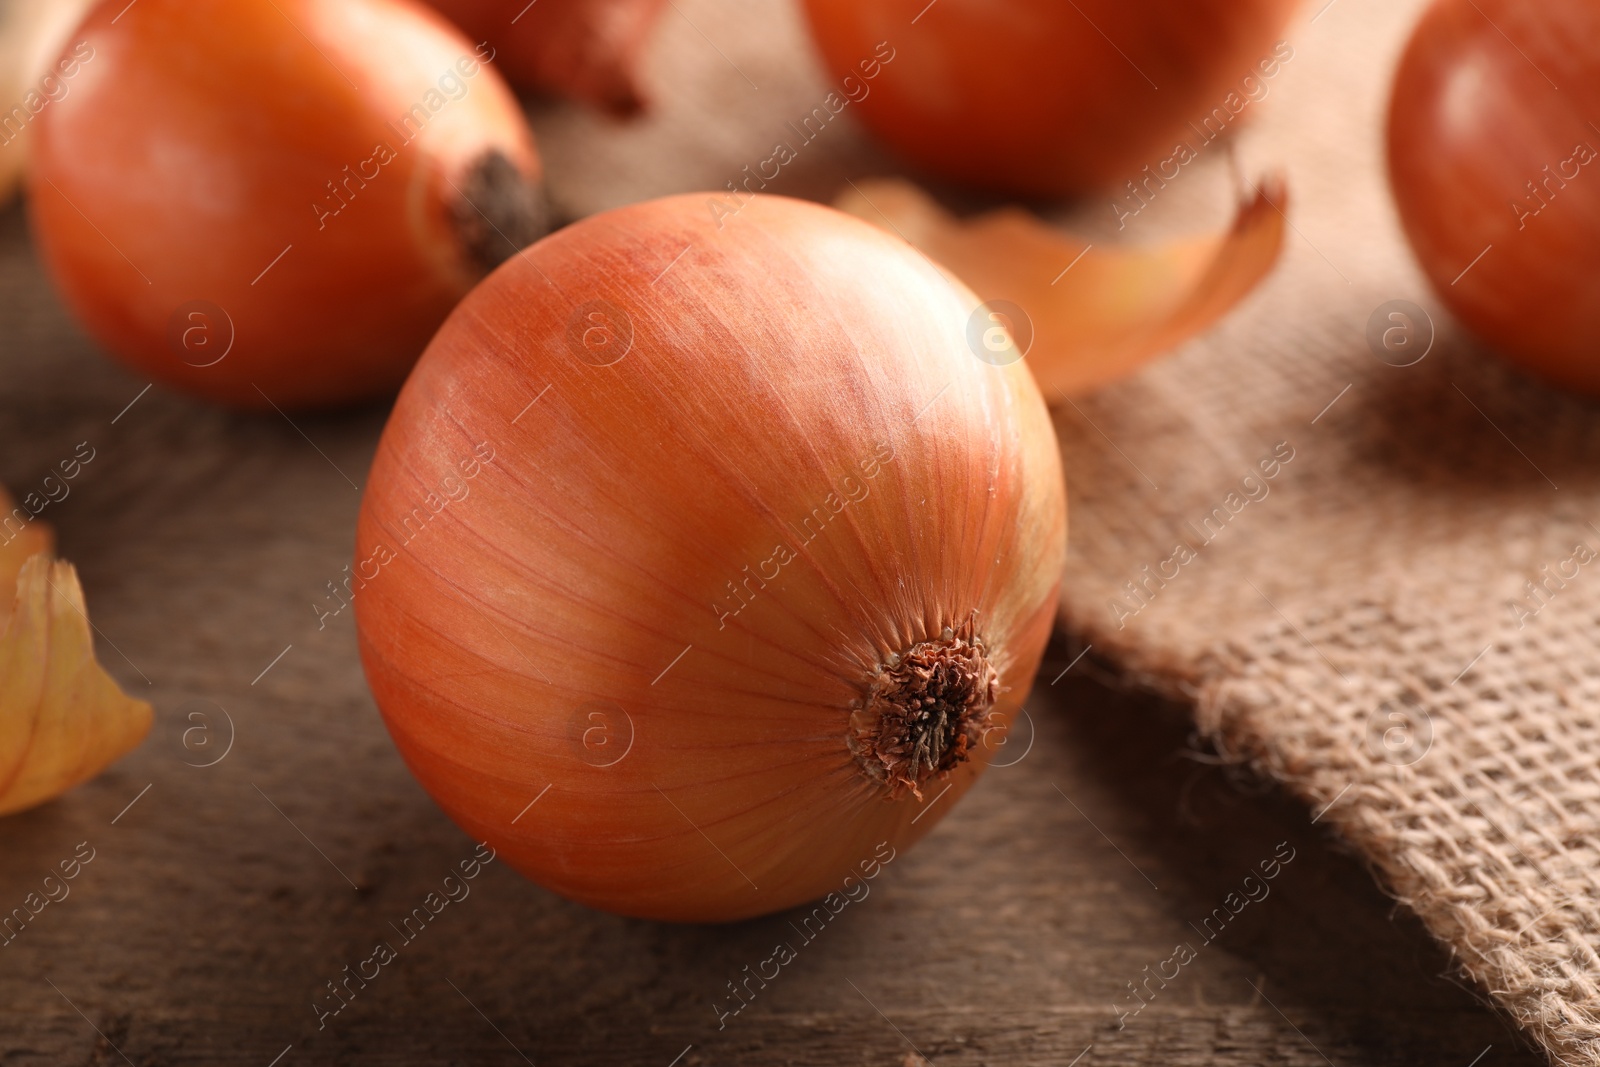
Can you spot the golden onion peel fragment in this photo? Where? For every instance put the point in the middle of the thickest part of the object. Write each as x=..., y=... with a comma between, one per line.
x=1096, y=312
x=63, y=720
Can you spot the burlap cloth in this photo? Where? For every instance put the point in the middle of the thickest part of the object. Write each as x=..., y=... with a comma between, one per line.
x=1360, y=625
x=1325, y=631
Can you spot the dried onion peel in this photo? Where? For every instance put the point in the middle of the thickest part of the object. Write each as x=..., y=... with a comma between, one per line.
x=31, y=540
x=62, y=718
x=1097, y=313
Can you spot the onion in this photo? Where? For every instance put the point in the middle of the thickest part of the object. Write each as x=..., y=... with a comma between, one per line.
x=276, y=202
x=1492, y=159
x=1041, y=97
x=701, y=558
x=588, y=50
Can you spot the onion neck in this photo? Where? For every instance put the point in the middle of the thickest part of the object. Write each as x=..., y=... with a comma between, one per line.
x=925, y=710
x=496, y=211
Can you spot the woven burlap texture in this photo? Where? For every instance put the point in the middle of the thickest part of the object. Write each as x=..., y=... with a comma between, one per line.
x=1360, y=624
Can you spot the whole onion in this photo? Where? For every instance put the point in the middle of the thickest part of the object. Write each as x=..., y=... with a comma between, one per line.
x=1492, y=159
x=702, y=558
x=1042, y=97
x=276, y=202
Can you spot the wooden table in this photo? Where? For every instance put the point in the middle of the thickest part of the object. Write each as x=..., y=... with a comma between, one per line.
x=222, y=898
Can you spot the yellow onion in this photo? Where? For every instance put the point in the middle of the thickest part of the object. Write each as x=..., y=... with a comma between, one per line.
x=1492, y=143
x=1045, y=97
x=273, y=204
x=702, y=557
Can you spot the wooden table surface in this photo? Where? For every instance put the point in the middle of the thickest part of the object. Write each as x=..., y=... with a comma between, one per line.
x=220, y=899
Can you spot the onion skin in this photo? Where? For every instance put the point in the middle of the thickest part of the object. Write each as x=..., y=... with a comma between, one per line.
x=1033, y=97
x=35, y=538
x=772, y=363
x=1117, y=309
x=194, y=151
x=63, y=720
x=1474, y=118
x=587, y=50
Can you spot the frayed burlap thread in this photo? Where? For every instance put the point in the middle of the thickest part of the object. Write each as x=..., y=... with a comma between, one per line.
x=1402, y=622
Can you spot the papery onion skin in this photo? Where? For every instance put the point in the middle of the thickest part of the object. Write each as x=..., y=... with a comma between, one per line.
x=19, y=542
x=63, y=720
x=228, y=201
x=1039, y=97
x=790, y=360
x=1117, y=308
x=587, y=50
x=1491, y=96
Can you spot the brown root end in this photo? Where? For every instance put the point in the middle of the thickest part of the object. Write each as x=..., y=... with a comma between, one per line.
x=499, y=212
x=926, y=710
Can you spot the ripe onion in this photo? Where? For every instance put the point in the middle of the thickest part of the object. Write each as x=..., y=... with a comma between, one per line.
x=1042, y=98
x=62, y=718
x=1493, y=162
x=1087, y=314
x=719, y=532
x=278, y=201
x=588, y=50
